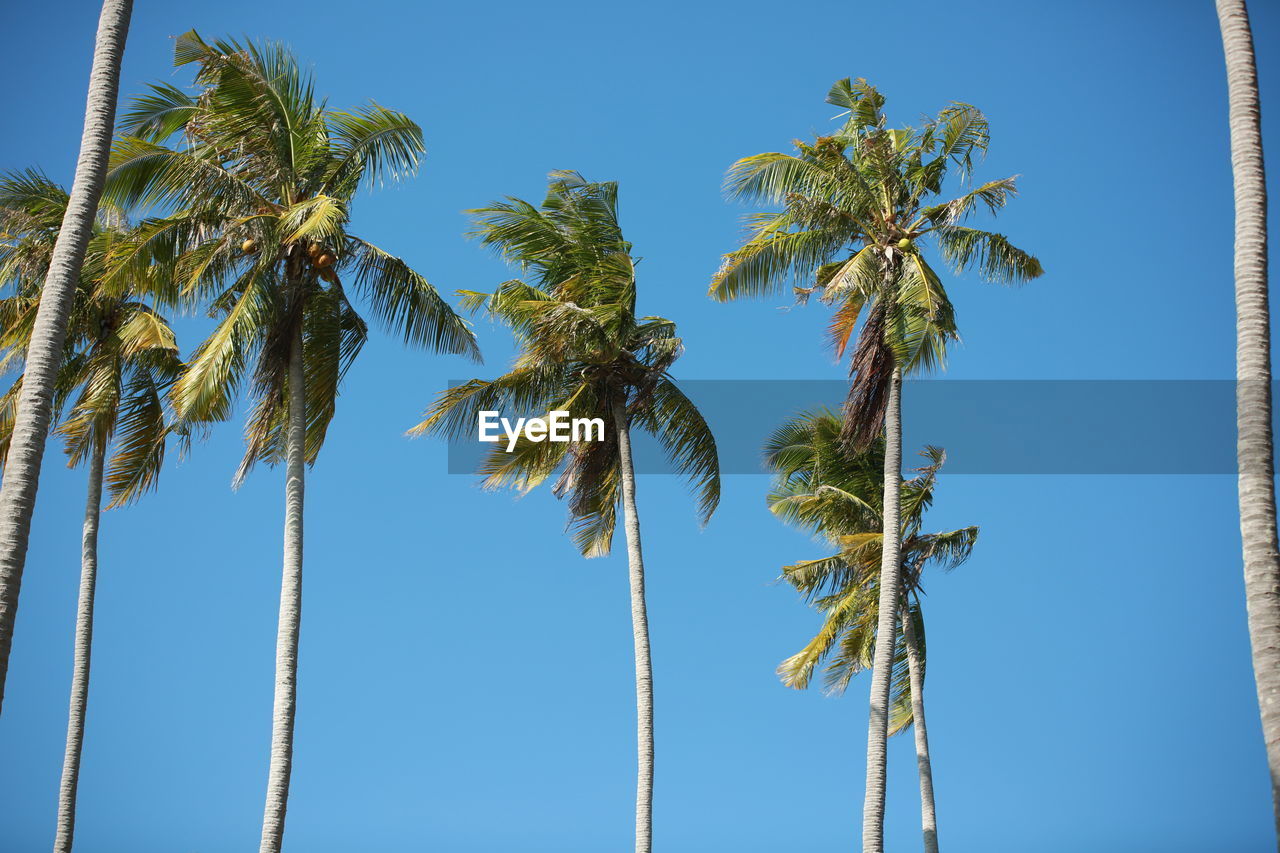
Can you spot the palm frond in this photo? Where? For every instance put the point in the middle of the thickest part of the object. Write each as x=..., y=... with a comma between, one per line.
x=407, y=303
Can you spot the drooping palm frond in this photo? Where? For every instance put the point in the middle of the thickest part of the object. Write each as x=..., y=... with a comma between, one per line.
x=407, y=304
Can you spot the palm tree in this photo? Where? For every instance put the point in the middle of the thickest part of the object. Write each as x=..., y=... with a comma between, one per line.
x=585, y=352
x=256, y=178
x=1253, y=379
x=44, y=357
x=858, y=207
x=120, y=357
x=821, y=487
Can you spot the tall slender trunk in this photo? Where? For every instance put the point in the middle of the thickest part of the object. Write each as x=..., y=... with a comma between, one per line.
x=44, y=355
x=915, y=667
x=83, y=652
x=1254, y=448
x=886, y=628
x=286, y=695
x=640, y=630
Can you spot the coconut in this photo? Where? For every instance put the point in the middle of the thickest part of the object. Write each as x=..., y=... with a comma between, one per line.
x=314, y=250
x=324, y=259
x=249, y=246
x=329, y=275
x=905, y=243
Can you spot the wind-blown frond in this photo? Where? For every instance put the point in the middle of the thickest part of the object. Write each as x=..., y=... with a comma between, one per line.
x=583, y=351
x=373, y=143
x=157, y=116
x=771, y=261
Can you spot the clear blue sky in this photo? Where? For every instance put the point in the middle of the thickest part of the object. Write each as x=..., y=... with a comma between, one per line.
x=466, y=678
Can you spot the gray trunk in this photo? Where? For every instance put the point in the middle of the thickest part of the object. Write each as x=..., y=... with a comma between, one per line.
x=886, y=628
x=640, y=630
x=286, y=695
x=83, y=651
x=1253, y=379
x=44, y=355
x=915, y=665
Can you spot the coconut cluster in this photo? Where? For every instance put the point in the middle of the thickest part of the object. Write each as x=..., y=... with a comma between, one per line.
x=321, y=257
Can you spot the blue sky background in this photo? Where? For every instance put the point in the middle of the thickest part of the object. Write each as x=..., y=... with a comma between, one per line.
x=466, y=678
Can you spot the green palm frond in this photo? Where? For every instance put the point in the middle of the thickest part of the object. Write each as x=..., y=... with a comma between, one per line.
x=991, y=196
x=206, y=391
x=994, y=256
x=141, y=430
x=675, y=421
x=372, y=143
x=318, y=219
x=406, y=303
x=775, y=259
x=158, y=115
x=143, y=174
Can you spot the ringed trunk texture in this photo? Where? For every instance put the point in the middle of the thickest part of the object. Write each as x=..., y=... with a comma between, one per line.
x=83, y=650
x=886, y=627
x=286, y=693
x=44, y=355
x=1254, y=450
x=915, y=666
x=640, y=630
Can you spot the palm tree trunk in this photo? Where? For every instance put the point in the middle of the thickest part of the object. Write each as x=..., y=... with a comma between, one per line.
x=1253, y=379
x=44, y=355
x=83, y=651
x=290, y=621
x=915, y=666
x=886, y=629
x=640, y=631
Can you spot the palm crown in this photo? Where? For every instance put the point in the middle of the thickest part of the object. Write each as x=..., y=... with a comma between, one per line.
x=583, y=350
x=858, y=207
x=120, y=356
x=821, y=487
x=256, y=179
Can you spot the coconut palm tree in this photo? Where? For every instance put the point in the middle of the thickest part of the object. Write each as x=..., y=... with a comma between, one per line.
x=1253, y=378
x=120, y=358
x=584, y=351
x=819, y=486
x=255, y=179
x=858, y=208
x=44, y=356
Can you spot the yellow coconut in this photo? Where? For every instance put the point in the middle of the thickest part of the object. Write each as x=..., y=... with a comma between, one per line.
x=249, y=246
x=324, y=259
